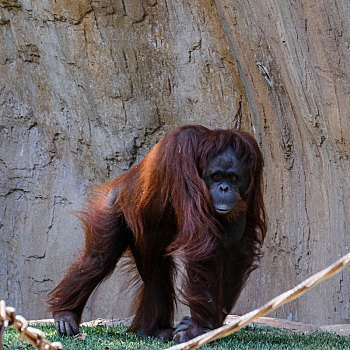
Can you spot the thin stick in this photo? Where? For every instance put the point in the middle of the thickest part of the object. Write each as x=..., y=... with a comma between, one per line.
x=273, y=304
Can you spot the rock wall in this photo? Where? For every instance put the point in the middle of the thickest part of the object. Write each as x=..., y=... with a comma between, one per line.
x=88, y=87
x=86, y=90
x=294, y=61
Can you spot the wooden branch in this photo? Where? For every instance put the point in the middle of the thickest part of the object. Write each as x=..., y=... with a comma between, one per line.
x=273, y=304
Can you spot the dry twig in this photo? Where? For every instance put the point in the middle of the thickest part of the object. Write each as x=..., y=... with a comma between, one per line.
x=8, y=318
x=265, y=309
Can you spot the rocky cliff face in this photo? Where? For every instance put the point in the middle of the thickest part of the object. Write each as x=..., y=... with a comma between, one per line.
x=86, y=90
x=88, y=87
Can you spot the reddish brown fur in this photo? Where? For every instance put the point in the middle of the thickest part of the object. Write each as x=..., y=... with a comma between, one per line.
x=163, y=210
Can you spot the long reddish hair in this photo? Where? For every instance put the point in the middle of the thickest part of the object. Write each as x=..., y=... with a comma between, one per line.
x=171, y=173
x=161, y=208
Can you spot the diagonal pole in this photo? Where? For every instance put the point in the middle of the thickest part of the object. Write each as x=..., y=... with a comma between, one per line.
x=273, y=304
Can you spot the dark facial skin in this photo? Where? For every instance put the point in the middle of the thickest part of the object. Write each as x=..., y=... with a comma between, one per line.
x=225, y=178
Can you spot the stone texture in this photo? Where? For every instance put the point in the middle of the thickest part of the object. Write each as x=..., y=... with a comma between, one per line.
x=294, y=64
x=88, y=87
x=279, y=323
x=340, y=329
x=86, y=90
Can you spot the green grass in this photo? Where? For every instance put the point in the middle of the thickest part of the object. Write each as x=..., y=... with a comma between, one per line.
x=257, y=337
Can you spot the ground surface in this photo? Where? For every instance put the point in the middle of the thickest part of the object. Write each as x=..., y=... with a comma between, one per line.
x=340, y=329
x=257, y=337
